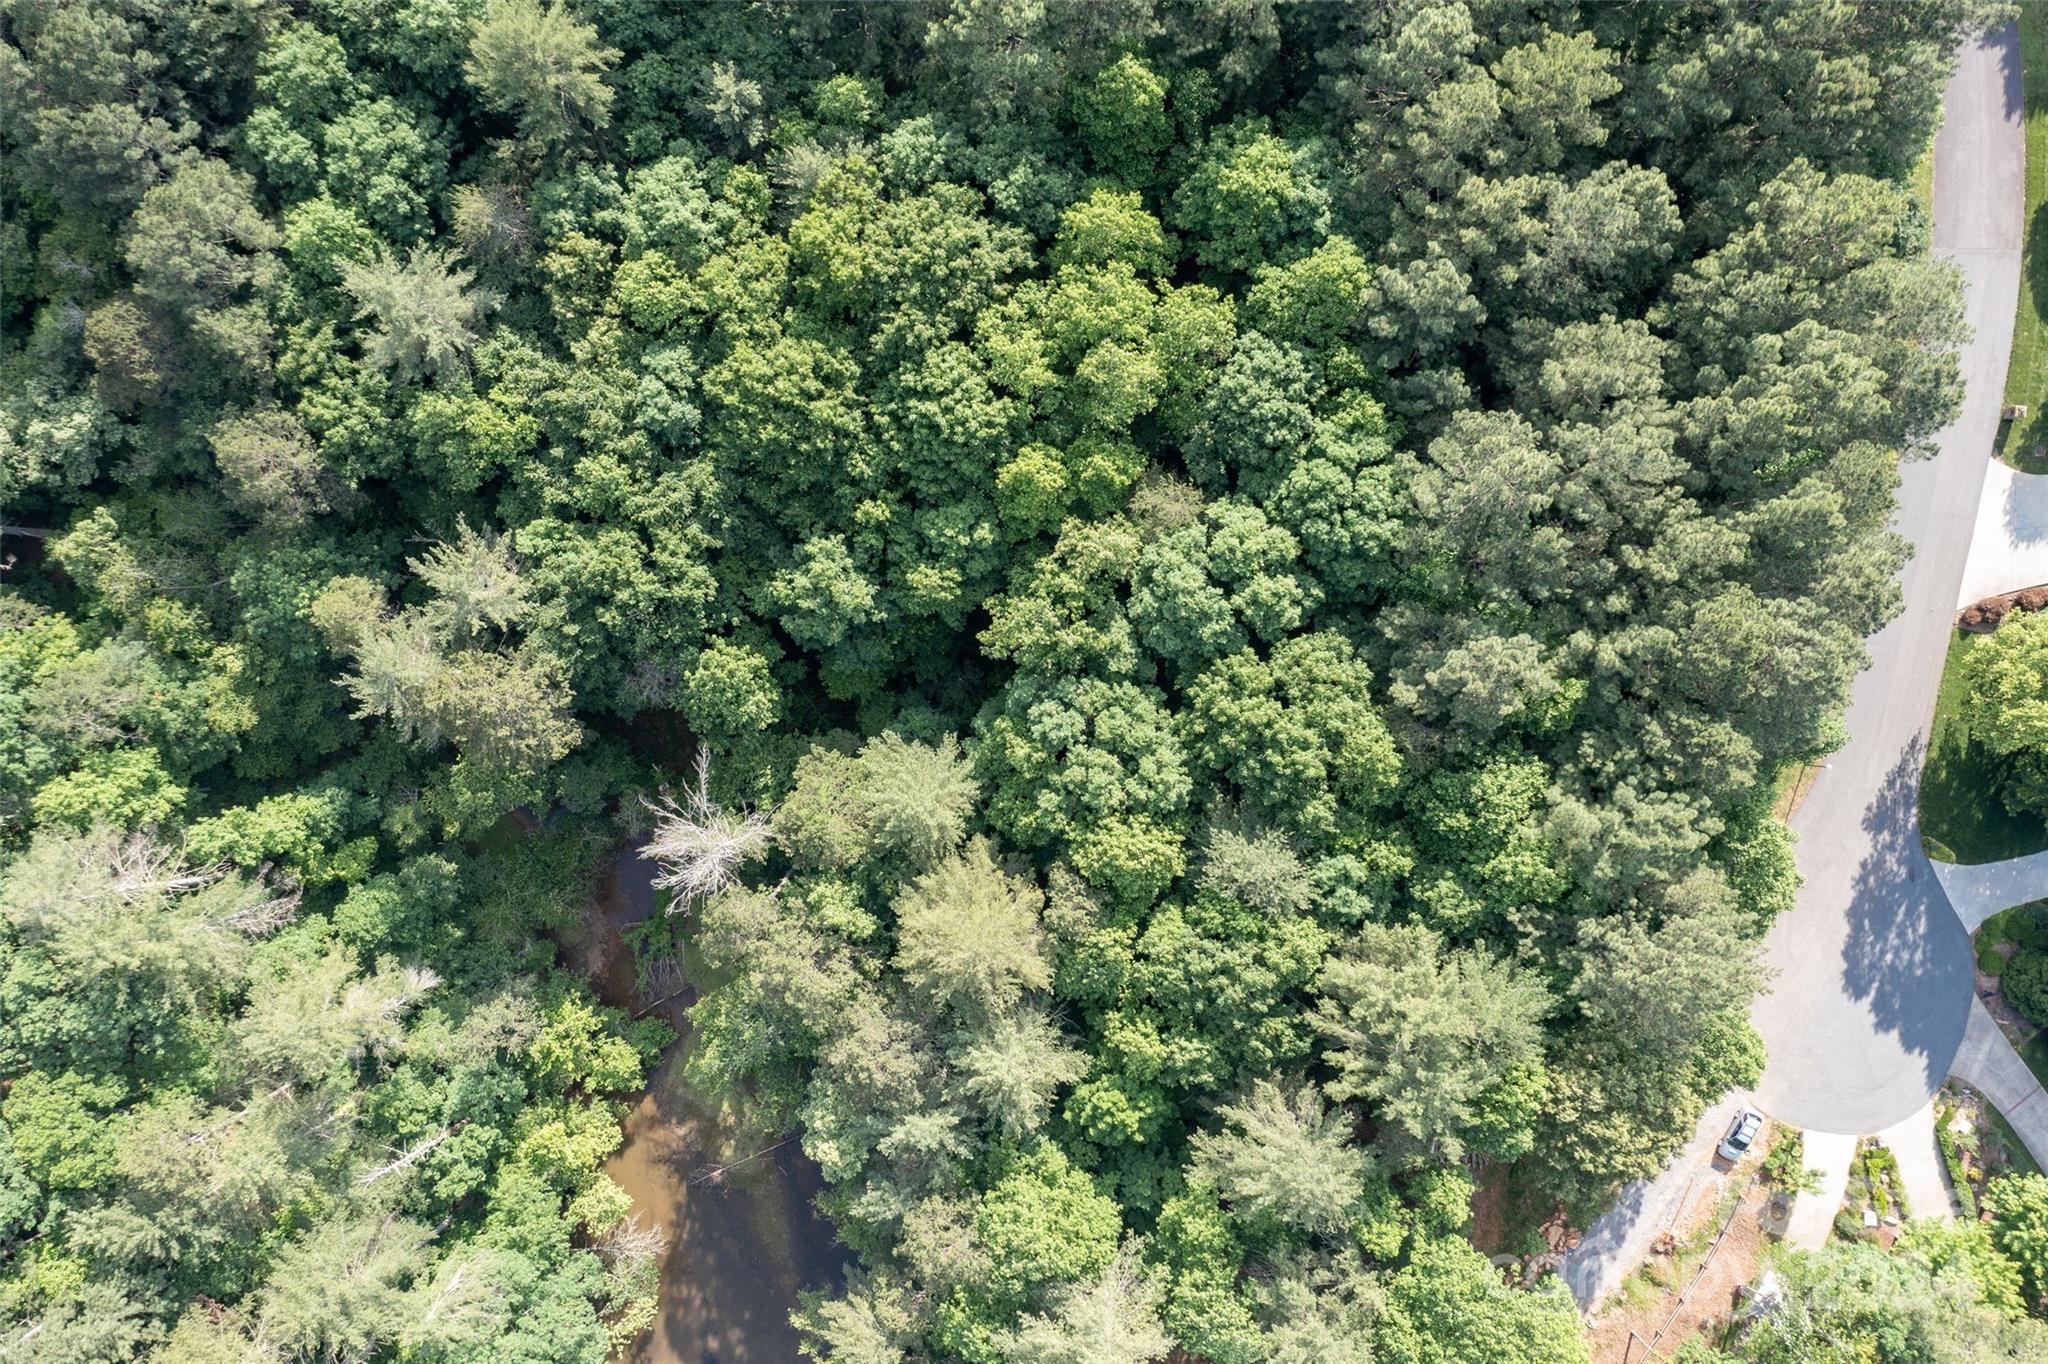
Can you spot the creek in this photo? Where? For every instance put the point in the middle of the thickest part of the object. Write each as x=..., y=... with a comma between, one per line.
x=743, y=1238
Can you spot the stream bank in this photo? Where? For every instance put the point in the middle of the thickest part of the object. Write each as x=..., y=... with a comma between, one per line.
x=742, y=1241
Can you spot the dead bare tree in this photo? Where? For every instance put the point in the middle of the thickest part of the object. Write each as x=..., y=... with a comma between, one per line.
x=141, y=867
x=700, y=846
x=411, y=1156
x=262, y=915
x=631, y=1244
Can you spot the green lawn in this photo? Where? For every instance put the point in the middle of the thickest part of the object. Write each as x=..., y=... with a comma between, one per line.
x=1960, y=818
x=2016, y=1156
x=2024, y=445
x=2034, y=1051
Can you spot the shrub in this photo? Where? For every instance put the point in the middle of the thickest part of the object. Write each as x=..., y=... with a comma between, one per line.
x=2028, y=925
x=1880, y=1171
x=1785, y=1164
x=2026, y=983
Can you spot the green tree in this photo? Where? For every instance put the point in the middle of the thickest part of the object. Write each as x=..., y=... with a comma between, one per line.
x=2019, y=1228
x=1095, y=765
x=117, y=941
x=968, y=937
x=1013, y=1067
x=729, y=691
x=873, y=1322
x=1111, y=228
x=198, y=239
x=427, y=316
x=327, y=1015
x=821, y=601
x=1044, y=1226
x=57, y=1127
x=1120, y=116
x=271, y=467
x=731, y=105
x=1657, y=987
x=339, y=1290
x=476, y=584
x=1428, y=1037
x=1113, y=1319
x=1281, y=1156
x=544, y=67
x=917, y=798
x=1295, y=734
x=1447, y=1306
x=94, y=105
x=2008, y=676
x=1857, y=1298
x=1209, y=588
x=1251, y=199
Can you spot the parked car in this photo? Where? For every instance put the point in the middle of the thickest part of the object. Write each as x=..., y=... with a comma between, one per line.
x=1736, y=1144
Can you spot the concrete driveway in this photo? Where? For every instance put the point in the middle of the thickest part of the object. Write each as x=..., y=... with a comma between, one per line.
x=1873, y=969
x=2010, y=548
x=1979, y=890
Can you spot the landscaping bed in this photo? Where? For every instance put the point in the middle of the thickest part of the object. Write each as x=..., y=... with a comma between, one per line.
x=1977, y=1144
x=2012, y=979
x=2012, y=966
x=1874, y=1205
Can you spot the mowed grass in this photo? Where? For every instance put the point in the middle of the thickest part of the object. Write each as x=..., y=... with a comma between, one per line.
x=1961, y=817
x=2017, y=1158
x=2024, y=444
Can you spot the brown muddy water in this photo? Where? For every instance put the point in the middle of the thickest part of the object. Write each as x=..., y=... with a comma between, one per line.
x=736, y=1207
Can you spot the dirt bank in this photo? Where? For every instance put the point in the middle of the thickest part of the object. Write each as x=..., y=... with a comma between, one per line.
x=742, y=1242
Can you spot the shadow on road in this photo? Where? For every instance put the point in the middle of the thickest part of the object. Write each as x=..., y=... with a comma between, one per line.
x=1906, y=957
x=2007, y=43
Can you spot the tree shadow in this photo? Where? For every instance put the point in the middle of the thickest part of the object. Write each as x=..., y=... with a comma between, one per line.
x=2026, y=512
x=1906, y=958
x=2007, y=40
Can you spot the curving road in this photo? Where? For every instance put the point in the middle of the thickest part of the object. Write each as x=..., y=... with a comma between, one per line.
x=1873, y=969
x=1873, y=995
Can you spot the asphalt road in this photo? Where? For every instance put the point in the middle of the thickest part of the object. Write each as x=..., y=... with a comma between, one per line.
x=1873, y=970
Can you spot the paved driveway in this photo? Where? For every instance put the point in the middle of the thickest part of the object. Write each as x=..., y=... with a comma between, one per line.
x=1873, y=984
x=1988, y=1062
x=2010, y=549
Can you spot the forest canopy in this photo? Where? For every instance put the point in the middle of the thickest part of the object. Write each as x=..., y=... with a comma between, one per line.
x=1244, y=573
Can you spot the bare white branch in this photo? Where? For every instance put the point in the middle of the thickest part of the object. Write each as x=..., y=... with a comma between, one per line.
x=409, y=1157
x=701, y=847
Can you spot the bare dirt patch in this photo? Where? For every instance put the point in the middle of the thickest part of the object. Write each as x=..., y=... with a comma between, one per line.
x=1650, y=1308
x=1489, y=1233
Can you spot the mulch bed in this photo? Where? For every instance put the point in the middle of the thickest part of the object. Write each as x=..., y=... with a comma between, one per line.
x=1982, y=617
